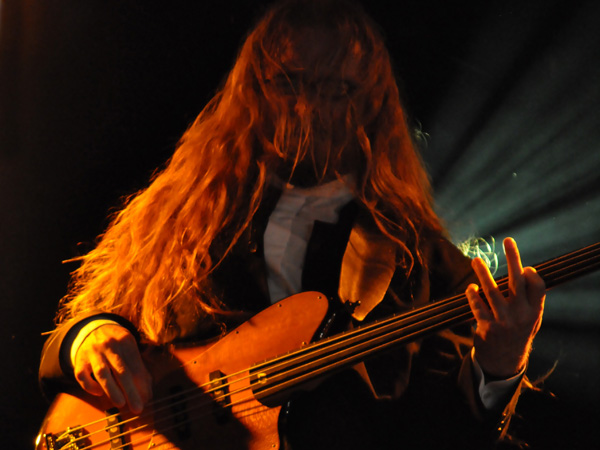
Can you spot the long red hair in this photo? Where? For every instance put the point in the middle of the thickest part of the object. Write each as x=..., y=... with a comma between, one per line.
x=155, y=260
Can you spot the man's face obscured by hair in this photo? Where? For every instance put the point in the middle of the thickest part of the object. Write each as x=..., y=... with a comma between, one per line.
x=316, y=88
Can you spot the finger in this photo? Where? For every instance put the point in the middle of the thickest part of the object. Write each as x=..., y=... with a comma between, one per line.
x=536, y=288
x=125, y=378
x=480, y=310
x=84, y=377
x=516, y=282
x=104, y=376
x=495, y=298
x=137, y=369
x=140, y=374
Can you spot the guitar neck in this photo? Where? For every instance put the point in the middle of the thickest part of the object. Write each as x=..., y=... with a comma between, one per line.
x=347, y=349
x=570, y=266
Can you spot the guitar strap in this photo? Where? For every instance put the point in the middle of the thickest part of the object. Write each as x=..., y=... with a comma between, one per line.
x=368, y=266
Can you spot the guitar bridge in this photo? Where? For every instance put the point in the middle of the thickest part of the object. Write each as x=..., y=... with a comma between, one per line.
x=76, y=438
x=70, y=439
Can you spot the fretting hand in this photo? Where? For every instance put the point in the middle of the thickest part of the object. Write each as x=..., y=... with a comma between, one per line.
x=507, y=324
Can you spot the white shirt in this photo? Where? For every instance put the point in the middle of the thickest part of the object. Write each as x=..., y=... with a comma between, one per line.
x=289, y=229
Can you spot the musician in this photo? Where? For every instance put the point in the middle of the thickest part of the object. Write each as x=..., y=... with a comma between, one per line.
x=301, y=174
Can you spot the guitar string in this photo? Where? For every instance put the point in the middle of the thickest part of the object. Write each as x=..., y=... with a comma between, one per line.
x=236, y=381
x=453, y=318
x=327, y=342
x=501, y=283
x=459, y=298
x=249, y=398
x=270, y=364
x=213, y=381
x=344, y=336
x=435, y=322
x=466, y=315
x=161, y=420
x=195, y=389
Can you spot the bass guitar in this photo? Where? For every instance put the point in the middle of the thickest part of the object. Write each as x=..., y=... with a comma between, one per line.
x=228, y=394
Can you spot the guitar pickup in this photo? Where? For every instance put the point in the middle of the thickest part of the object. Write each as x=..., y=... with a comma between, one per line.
x=115, y=428
x=219, y=390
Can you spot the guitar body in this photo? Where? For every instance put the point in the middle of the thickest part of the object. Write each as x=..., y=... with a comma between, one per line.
x=190, y=408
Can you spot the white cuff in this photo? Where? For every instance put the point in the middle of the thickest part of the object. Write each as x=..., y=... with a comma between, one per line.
x=492, y=392
x=85, y=332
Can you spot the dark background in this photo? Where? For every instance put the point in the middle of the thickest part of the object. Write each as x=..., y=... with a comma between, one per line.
x=94, y=95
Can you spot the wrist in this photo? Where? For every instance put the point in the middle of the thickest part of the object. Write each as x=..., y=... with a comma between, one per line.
x=495, y=371
x=84, y=333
